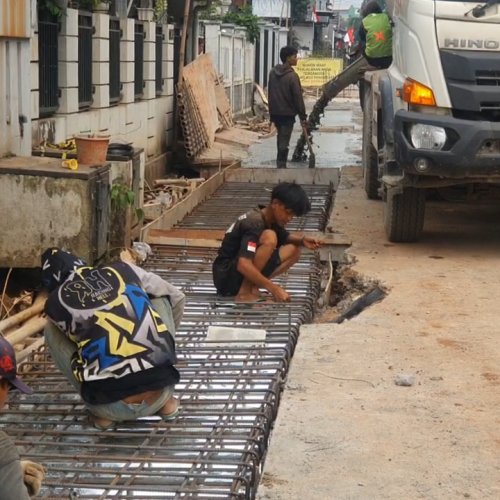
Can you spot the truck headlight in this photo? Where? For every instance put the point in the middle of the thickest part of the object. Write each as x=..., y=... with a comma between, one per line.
x=427, y=136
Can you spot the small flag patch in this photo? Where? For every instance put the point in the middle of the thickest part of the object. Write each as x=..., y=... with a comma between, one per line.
x=251, y=247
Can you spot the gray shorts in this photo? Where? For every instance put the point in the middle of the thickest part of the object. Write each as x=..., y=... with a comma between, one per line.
x=227, y=278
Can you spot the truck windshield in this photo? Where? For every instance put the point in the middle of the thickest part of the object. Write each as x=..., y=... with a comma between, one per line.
x=480, y=10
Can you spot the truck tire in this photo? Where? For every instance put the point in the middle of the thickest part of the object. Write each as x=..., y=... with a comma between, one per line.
x=369, y=153
x=404, y=215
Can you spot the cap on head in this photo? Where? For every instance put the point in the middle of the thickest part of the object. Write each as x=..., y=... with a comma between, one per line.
x=8, y=366
x=57, y=265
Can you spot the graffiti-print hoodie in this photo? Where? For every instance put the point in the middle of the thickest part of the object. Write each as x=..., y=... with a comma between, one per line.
x=123, y=346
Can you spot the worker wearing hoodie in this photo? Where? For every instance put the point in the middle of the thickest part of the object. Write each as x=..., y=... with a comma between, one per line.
x=111, y=338
x=285, y=101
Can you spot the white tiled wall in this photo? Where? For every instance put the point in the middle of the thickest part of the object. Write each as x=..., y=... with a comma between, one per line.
x=147, y=123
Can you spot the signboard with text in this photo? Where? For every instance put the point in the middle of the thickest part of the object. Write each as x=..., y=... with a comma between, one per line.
x=316, y=72
x=271, y=8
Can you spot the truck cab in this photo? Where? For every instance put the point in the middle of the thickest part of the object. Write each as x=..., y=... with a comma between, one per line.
x=432, y=119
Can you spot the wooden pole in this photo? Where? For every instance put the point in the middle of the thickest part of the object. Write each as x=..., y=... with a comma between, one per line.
x=22, y=355
x=33, y=325
x=20, y=317
x=182, y=56
x=182, y=48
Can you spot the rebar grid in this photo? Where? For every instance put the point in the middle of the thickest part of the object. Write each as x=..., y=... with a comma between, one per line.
x=236, y=198
x=229, y=395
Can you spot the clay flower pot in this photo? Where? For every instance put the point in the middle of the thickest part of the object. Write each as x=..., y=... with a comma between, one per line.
x=91, y=149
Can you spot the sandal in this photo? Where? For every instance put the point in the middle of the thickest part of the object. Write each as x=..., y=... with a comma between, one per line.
x=101, y=426
x=170, y=416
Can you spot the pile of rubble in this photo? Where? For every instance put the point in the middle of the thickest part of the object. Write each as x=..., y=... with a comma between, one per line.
x=165, y=193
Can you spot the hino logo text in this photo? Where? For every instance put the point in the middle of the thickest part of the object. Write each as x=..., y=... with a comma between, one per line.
x=464, y=43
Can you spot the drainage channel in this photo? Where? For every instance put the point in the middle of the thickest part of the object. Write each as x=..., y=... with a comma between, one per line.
x=235, y=198
x=229, y=394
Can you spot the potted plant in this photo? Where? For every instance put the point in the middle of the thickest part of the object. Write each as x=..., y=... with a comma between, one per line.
x=49, y=8
x=91, y=149
x=101, y=5
x=95, y=5
x=123, y=214
x=145, y=12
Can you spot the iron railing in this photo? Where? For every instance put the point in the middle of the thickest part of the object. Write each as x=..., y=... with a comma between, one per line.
x=139, y=60
x=85, y=31
x=114, y=61
x=48, y=28
x=158, y=61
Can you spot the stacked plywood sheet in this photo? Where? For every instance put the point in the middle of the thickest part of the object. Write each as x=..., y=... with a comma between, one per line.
x=206, y=118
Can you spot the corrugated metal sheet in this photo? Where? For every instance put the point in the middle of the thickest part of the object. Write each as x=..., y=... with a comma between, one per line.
x=15, y=18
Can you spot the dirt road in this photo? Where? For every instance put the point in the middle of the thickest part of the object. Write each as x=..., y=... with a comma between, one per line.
x=345, y=430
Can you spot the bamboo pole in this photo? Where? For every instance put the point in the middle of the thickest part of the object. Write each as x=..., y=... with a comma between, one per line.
x=178, y=182
x=22, y=355
x=33, y=325
x=182, y=56
x=182, y=48
x=20, y=317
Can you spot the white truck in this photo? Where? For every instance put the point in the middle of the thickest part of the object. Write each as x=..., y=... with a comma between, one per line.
x=432, y=119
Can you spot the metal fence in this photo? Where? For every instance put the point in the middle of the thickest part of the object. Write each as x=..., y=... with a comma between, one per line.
x=158, y=61
x=48, y=29
x=114, y=61
x=85, y=31
x=139, y=60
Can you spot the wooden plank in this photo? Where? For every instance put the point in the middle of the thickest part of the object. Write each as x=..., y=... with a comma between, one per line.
x=182, y=242
x=225, y=154
x=223, y=104
x=319, y=176
x=206, y=234
x=199, y=77
x=237, y=136
x=218, y=235
x=173, y=215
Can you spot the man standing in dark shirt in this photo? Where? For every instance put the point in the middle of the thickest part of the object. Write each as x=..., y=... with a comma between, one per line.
x=256, y=247
x=285, y=101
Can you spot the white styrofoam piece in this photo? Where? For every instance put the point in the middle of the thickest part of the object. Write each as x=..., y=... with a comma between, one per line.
x=228, y=336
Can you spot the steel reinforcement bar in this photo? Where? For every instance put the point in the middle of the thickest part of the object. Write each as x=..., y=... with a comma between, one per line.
x=229, y=393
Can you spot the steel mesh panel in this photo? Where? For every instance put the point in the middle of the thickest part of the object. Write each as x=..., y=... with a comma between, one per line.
x=229, y=395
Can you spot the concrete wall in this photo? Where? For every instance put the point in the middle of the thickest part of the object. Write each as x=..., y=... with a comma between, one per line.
x=47, y=207
x=234, y=59
x=272, y=38
x=147, y=123
x=15, y=116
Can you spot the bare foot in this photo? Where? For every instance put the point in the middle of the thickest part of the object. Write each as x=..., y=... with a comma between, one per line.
x=260, y=293
x=251, y=298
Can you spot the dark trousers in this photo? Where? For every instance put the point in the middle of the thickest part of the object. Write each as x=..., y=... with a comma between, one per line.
x=283, y=141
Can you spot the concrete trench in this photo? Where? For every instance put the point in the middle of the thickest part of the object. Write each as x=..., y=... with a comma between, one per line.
x=229, y=394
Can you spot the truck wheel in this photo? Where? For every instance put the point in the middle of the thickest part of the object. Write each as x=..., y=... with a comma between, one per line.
x=369, y=153
x=404, y=215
